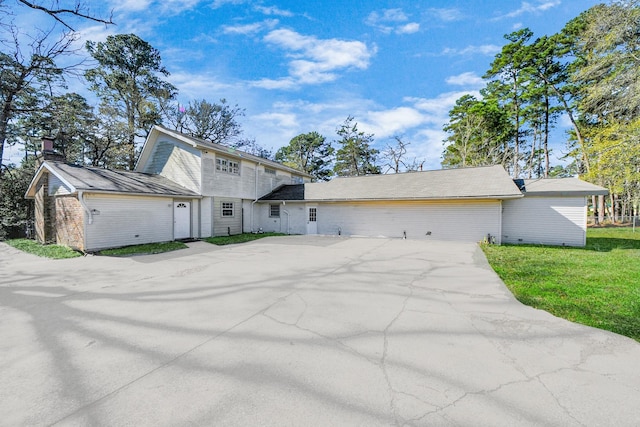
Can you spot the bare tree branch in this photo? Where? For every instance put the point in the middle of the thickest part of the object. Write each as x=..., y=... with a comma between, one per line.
x=75, y=11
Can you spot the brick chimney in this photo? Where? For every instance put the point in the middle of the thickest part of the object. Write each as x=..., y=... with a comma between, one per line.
x=47, y=152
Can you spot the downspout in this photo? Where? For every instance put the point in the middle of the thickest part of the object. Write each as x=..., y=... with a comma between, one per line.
x=256, y=197
x=84, y=206
x=285, y=211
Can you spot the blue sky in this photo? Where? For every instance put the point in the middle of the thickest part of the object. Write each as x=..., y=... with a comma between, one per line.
x=302, y=66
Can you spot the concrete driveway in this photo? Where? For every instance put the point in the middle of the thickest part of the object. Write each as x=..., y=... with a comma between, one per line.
x=297, y=331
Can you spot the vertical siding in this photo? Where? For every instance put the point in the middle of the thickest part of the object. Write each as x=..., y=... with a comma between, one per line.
x=206, y=217
x=469, y=221
x=222, y=226
x=127, y=220
x=177, y=162
x=247, y=216
x=545, y=220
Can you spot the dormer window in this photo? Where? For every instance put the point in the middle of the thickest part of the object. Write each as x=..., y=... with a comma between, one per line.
x=227, y=166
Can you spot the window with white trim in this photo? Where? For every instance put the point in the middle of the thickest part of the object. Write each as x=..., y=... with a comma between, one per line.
x=227, y=209
x=274, y=211
x=227, y=165
x=270, y=171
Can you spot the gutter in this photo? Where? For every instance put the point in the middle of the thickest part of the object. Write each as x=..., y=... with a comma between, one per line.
x=84, y=206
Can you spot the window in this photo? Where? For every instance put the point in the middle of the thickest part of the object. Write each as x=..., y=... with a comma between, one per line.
x=297, y=180
x=227, y=209
x=270, y=171
x=312, y=214
x=274, y=211
x=228, y=166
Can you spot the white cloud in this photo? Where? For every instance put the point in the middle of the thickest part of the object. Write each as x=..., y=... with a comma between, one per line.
x=410, y=28
x=284, y=121
x=466, y=79
x=527, y=7
x=392, y=122
x=219, y=3
x=446, y=14
x=273, y=10
x=248, y=29
x=131, y=5
x=438, y=108
x=391, y=20
x=485, y=49
x=315, y=60
x=199, y=85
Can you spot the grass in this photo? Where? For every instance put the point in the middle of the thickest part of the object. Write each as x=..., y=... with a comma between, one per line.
x=239, y=238
x=149, y=248
x=598, y=285
x=45, y=251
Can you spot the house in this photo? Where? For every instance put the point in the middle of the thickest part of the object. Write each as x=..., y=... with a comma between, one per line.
x=185, y=187
x=182, y=187
x=470, y=204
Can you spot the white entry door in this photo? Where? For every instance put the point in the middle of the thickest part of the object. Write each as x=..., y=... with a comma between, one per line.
x=312, y=220
x=181, y=220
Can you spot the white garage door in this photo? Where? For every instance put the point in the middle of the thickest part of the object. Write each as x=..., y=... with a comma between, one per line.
x=469, y=221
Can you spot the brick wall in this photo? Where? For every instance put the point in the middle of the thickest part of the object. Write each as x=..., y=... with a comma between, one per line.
x=69, y=222
x=43, y=212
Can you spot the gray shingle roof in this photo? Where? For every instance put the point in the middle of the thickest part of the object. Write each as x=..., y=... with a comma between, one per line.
x=562, y=187
x=86, y=178
x=286, y=192
x=467, y=183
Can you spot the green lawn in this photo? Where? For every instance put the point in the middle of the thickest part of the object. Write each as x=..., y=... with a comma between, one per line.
x=46, y=251
x=149, y=248
x=239, y=238
x=598, y=285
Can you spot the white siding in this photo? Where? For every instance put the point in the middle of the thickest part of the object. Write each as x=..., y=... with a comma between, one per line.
x=469, y=221
x=247, y=217
x=176, y=161
x=223, y=226
x=295, y=221
x=128, y=220
x=545, y=220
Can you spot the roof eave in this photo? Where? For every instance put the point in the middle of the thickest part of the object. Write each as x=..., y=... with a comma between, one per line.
x=567, y=193
x=395, y=199
x=124, y=193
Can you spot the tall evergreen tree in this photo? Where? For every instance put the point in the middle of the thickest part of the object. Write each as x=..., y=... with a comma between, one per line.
x=355, y=156
x=308, y=152
x=128, y=80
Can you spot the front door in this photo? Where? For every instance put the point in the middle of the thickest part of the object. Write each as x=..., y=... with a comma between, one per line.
x=312, y=220
x=181, y=220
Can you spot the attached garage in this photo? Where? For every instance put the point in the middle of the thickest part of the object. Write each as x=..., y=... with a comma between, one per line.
x=451, y=204
x=439, y=220
x=552, y=212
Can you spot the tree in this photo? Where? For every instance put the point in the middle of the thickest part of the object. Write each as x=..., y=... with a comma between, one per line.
x=215, y=122
x=509, y=67
x=355, y=156
x=310, y=153
x=609, y=37
x=60, y=13
x=127, y=80
x=27, y=79
x=251, y=146
x=15, y=211
x=479, y=134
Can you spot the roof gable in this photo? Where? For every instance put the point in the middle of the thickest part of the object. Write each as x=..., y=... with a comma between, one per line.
x=97, y=180
x=204, y=145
